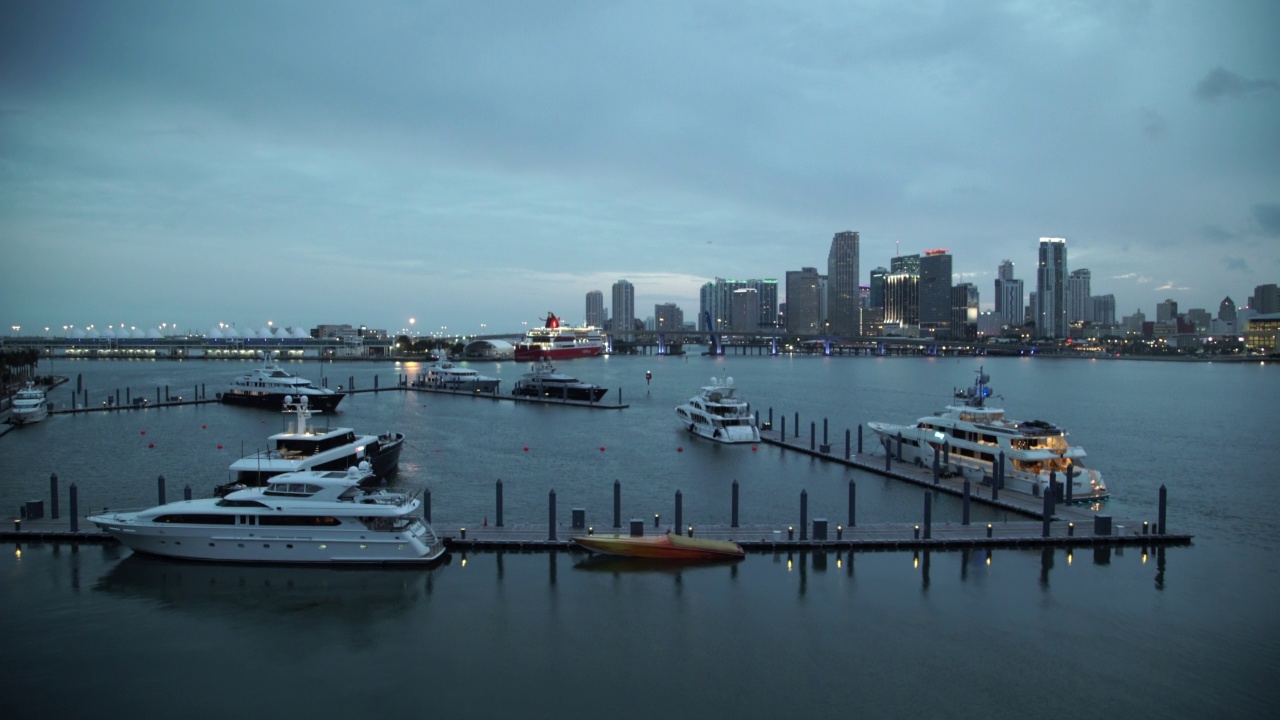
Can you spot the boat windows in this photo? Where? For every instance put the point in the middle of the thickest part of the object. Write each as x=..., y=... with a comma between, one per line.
x=295, y=489
x=241, y=503
x=299, y=520
x=196, y=519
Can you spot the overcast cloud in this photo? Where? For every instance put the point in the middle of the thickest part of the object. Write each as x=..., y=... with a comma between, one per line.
x=482, y=163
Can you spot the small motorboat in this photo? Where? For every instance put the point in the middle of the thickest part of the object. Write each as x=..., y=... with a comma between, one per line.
x=667, y=546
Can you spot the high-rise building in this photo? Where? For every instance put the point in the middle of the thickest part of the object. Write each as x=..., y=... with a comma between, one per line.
x=905, y=263
x=624, y=307
x=902, y=299
x=1266, y=299
x=1051, y=289
x=804, y=301
x=1078, y=294
x=843, y=309
x=877, y=288
x=1227, y=310
x=935, y=294
x=715, y=300
x=595, y=308
x=1003, y=273
x=746, y=310
x=1167, y=311
x=964, y=311
x=1200, y=319
x=1103, y=309
x=1014, y=310
x=668, y=317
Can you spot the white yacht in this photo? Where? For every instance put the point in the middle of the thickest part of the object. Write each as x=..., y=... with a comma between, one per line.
x=975, y=434
x=268, y=385
x=544, y=382
x=30, y=405
x=303, y=446
x=304, y=517
x=445, y=375
x=719, y=414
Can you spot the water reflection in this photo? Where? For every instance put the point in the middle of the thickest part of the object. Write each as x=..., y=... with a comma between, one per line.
x=334, y=593
x=616, y=565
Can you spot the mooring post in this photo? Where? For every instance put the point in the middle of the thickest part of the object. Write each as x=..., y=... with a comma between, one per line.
x=617, y=504
x=935, y=464
x=998, y=480
x=1071, y=473
x=888, y=454
x=846, y=443
x=784, y=429
x=964, y=517
x=797, y=426
x=1164, y=498
x=771, y=418
x=53, y=495
x=825, y=441
x=1048, y=514
x=733, y=516
x=946, y=453
x=551, y=515
x=426, y=504
x=75, y=508
x=499, y=508
x=1054, y=489
x=853, y=502
x=928, y=514
x=813, y=431
x=899, y=446
x=186, y=492
x=859, y=438
x=160, y=487
x=679, y=512
x=804, y=515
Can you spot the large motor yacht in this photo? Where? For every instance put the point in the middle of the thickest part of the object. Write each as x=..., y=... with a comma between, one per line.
x=30, y=405
x=268, y=386
x=304, y=517
x=970, y=436
x=719, y=414
x=302, y=446
x=445, y=375
x=544, y=382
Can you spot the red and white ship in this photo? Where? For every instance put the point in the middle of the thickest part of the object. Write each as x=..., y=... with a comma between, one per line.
x=555, y=342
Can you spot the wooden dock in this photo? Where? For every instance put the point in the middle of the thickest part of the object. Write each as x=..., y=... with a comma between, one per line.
x=758, y=538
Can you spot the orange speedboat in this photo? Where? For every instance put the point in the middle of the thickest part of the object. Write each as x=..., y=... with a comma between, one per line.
x=667, y=546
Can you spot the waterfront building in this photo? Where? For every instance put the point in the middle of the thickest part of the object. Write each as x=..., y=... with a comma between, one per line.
x=624, y=307
x=1199, y=319
x=595, y=309
x=876, y=298
x=1014, y=311
x=989, y=324
x=1078, y=306
x=935, y=294
x=1266, y=299
x=668, y=317
x=1262, y=334
x=901, y=299
x=716, y=301
x=1167, y=312
x=964, y=311
x=1132, y=325
x=804, y=301
x=1051, y=289
x=1227, y=310
x=1103, y=309
x=1004, y=273
x=746, y=310
x=843, y=306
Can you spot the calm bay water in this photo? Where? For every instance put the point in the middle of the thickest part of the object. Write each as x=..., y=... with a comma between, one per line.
x=1191, y=633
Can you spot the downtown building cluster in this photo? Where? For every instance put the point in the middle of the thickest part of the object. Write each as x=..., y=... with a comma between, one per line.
x=917, y=296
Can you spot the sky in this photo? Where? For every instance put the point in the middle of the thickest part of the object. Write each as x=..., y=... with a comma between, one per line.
x=474, y=165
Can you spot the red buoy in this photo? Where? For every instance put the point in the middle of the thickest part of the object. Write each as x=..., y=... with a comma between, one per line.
x=151, y=445
x=526, y=448
x=679, y=449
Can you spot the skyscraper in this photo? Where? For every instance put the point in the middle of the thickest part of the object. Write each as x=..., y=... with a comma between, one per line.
x=624, y=307
x=1167, y=311
x=935, y=294
x=668, y=317
x=964, y=311
x=1266, y=299
x=1013, y=304
x=746, y=310
x=1051, y=289
x=595, y=308
x=1003, y=273
x=877, y=288
x=804, y=301
x=1078, y=294
x=1227, y=310
x=1103, y=310
x=843, y=308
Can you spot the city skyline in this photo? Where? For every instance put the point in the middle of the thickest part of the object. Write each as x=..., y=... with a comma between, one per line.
x=472, y=168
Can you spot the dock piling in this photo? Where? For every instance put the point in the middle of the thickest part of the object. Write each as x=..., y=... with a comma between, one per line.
x=928, y=514
x=499, y=508
x=186, y=492
x=853, y=502
x=859, y=438
x=733, y=522
x=617, y=504
x=551, y=515
x=75, y=508
x=160, y=488
x=679, y=511
x=1160, y=527
x=964, y=513
x=804, y=515
x=426, y=504
x=53, y=495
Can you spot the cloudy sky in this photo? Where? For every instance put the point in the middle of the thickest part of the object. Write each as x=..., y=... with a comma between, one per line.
x=470, y=164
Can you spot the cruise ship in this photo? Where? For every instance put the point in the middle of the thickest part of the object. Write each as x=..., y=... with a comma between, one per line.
x=970, y=436
x=553, y=341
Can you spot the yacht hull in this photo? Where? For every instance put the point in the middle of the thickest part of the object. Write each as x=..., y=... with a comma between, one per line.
x=324, y=402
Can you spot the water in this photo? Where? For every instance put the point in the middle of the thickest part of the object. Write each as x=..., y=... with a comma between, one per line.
x=1186, y=633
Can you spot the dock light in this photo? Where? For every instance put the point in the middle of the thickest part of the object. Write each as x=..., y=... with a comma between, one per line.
x=17, y=525
x=1071, y=529
x=988, y=529
x=655, y=519
x=463, y=531
x=591, y=530
x=690, y=531
x=1146, y=527
x=839, y=533
x=917, y=531
x=791, y=532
